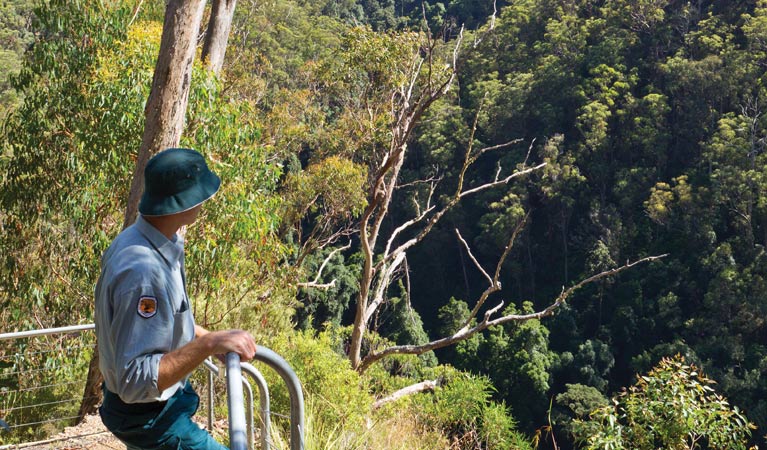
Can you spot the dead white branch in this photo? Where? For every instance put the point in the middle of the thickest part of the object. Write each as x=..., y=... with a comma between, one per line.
x=428, y=385
x=501, y=181
x=478, y=39
x=471, y=256
x=495, y=283
x=316, y=282
x=136, y=10
x=386, y=277
x=488, y=322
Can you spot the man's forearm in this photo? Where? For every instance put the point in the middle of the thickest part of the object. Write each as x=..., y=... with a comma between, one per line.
x=177, y=364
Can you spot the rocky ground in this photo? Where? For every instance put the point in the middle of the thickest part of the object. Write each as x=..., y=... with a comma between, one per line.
x=92, y=435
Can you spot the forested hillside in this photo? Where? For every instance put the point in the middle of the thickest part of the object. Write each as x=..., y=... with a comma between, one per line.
x=394, y=170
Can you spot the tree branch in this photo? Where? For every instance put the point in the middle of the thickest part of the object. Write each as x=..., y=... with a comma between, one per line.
x=471, y=256
x=316, y=282
x=487, y=322
x=438, y=215
x=428, y=385
x=499, y=182
x=382, y=284
x=495, y=284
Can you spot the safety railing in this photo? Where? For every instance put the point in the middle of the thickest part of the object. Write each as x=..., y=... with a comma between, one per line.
x=283, y=369
x=41, y=378
x=21, y=365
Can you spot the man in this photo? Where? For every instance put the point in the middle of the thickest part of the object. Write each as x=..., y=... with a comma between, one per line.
x=147, y=339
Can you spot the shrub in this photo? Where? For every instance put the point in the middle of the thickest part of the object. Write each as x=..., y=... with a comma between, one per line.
x=672, y=407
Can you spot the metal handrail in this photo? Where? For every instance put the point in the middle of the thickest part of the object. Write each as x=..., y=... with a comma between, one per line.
x=291, y=380
x=263, y=390
x=46, y=332
x=249, y=412
x=263, y=354
x=237, y=435
x=212, y=371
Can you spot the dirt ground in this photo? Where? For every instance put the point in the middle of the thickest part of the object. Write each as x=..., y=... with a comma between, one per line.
x=92, y=435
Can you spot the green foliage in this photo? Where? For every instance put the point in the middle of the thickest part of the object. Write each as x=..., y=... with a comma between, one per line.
x=649, y=115
x=673, y=407
x=61, y=176
x=328, y=194
x=581, y=400
x=67, y=157
x=323, y=306
x=39, y=382
x=515, y=356
x=499, y=429
x=358, y=82
x=462, y=407
x=452, y=317
x=401, y=324
x=234, y=256
x=334, y=391
x=15, y=37
x=61, y=154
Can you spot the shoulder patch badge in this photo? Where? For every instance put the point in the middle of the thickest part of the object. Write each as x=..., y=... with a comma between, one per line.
x=147, y=306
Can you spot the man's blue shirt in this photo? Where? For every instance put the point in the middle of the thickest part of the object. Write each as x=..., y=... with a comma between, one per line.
x=142, y=311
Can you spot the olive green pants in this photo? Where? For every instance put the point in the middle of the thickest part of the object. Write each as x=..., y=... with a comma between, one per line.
x=159, y=425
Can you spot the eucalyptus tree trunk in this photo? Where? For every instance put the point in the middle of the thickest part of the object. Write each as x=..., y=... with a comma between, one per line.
x=214, y=47
x=168, y=99
x=165, y=111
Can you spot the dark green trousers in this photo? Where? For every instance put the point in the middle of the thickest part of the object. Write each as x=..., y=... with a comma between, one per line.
x=157, y=426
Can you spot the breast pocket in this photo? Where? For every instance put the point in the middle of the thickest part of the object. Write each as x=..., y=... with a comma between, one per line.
x=183, y=305
x=183, y=328
x=178, y=296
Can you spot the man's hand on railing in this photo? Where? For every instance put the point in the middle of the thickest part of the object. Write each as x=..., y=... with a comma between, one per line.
x=239, y=338
x=183, y=360
x=237, y=341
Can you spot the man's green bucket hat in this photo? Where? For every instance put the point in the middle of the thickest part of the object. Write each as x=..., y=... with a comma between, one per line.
x=176, y=180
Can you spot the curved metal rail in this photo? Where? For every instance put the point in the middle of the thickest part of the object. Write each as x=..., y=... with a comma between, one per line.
x=238, y=439
x=290, y=378
x=237, y=425
x=263, y=390
x=237, y=385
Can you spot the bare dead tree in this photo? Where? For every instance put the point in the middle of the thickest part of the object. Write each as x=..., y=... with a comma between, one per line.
x=488, y=320
x=316, y=282
x=424, y=386
x=408, y=104
x=384, y=254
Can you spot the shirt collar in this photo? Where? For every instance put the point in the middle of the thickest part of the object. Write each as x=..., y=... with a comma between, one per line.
x=171, y=250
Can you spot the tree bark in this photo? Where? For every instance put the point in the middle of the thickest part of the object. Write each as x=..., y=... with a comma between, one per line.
x=217, y=37
x=92, y=391
x=168, y=99
x=165, y=112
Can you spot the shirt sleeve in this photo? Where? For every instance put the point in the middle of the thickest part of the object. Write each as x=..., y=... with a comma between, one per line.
x=142, y=330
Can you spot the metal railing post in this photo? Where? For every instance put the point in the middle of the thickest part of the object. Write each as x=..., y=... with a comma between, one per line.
x=237, y=436
x=212, y=371
x=263, y=391
x=249, y=411
x=282, y=368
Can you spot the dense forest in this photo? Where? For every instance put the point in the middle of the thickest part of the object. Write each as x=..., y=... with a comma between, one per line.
x=555, y=140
